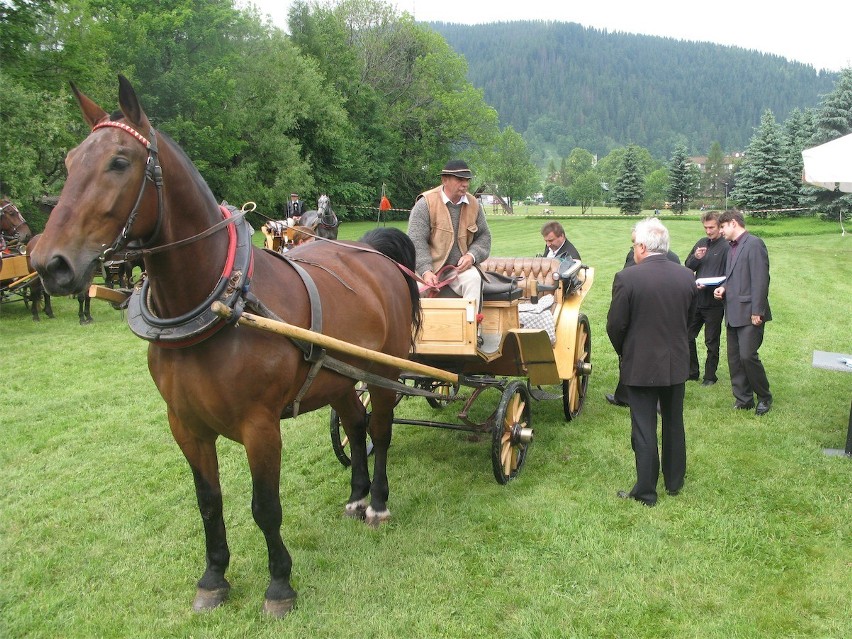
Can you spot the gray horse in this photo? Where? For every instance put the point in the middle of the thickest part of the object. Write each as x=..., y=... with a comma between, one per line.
x=323, y=222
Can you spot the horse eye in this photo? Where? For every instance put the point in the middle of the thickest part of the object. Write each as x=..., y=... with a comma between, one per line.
x=118, y=163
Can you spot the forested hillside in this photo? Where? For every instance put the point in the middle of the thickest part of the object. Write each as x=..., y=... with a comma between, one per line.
x=564, y=85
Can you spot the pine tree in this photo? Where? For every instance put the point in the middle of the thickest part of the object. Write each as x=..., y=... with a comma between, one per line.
x=716, y=177
x=629, y=189
x=763, y=182
x=833, y=120
x=680, y=180
x=798, y=130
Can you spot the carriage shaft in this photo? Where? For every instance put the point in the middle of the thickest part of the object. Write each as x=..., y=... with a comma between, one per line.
x=331, y=343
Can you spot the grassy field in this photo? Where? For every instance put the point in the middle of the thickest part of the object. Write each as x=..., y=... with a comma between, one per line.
x=100, y=535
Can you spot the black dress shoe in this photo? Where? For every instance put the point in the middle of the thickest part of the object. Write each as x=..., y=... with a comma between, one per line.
x=763, y=407
x=693, y=378
x=615, y=402
x=672, y=493
x=746, y=406
x=708, y=382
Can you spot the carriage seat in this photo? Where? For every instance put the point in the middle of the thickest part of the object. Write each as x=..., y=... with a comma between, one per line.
x=533, y=275
x=497, y=287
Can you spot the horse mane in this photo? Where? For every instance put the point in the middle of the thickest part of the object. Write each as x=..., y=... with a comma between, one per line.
x=396, y=245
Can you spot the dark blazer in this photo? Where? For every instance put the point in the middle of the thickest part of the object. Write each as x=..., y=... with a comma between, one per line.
x=747, y=283
x=565, y=251
x=295, y=209
x=647, y=321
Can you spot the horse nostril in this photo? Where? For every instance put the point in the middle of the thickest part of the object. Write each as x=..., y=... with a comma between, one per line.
x=58, y=273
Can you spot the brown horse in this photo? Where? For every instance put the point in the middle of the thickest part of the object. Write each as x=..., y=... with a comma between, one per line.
x=129, y=183
x=13, y=227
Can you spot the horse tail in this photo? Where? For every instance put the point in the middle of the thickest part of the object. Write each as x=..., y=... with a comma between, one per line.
x=398, y=246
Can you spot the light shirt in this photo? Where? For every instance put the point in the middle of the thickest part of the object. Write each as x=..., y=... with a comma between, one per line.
x=553, y=252
x=447, y=200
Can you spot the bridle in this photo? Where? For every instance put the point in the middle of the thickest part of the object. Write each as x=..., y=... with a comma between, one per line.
x=326, y=218
x=4, y=213
x=153, y=173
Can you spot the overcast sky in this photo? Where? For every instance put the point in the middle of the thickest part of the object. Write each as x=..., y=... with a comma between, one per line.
x=816, y=33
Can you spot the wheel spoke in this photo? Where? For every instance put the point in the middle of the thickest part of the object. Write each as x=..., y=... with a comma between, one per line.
x=518, y=409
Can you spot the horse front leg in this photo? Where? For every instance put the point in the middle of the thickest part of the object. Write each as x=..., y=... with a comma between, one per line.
x=355, y=421
x=48, y=307
x=201, y=455
x=83, y=303
x=263, y=448
x=381, y=423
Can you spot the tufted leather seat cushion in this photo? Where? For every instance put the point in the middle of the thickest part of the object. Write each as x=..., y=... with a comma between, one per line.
x=527, y=270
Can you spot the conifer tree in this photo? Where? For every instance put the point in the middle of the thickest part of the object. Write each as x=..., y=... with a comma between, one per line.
x=798, y=129
x=680, y=180
x=629, y=189
x=763, y=182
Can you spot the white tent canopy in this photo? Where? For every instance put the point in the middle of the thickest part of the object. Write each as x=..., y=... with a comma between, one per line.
x=830, y=165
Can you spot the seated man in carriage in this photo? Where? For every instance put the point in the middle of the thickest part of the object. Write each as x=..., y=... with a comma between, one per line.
x=450, y=234
x=295, y=208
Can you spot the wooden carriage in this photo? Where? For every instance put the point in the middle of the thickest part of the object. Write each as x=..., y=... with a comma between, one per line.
x=530, y=336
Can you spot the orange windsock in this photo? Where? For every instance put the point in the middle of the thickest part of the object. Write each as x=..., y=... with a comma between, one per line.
x=385, y=204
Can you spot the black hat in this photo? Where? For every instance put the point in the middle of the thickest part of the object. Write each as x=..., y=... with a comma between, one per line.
x=457, y=168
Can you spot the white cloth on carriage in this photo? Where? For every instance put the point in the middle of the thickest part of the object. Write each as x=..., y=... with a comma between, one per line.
x=539, y=316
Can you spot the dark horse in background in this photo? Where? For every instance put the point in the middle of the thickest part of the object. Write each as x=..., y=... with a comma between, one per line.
x=323, y=221
x=218, y=380
x=38, y=297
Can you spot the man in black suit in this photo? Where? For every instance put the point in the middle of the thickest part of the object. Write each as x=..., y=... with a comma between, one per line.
x=556, y=244
x=295, y=207
x=619, y=397
x=708, y=258
x=647, y=325
x=746, y=295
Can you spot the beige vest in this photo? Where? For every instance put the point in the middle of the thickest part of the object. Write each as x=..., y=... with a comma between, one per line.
x=442, y=234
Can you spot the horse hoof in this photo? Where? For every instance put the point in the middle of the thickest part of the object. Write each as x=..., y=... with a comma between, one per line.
x=375, y=519
x=209, y=599
x=355, y=510
x=278, y=607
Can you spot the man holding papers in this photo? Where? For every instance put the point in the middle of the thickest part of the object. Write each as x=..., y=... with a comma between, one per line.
x=707, y=260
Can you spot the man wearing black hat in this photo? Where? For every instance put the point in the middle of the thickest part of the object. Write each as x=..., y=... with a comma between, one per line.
x=448, y=227
x=295, y=207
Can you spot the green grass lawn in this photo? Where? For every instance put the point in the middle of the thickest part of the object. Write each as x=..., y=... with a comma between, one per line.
x=100, y=534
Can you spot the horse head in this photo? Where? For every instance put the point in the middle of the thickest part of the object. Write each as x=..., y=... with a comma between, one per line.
x=323, y=222
x=12, y=224
x=105, y=202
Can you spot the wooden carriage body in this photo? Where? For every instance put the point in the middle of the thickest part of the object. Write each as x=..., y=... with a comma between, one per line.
x=509, y=348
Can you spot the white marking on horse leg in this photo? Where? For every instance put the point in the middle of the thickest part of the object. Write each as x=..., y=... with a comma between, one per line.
x=356, y=509
x=376, y=519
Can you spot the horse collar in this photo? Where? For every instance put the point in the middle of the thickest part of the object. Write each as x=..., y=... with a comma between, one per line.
x=201, y=322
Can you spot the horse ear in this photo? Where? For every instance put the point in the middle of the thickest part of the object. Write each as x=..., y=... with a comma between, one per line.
x=92, y=113
x=129, y=103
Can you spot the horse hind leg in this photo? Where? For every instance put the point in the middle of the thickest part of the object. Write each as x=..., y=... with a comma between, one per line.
x=381, y=423
x=355, y=421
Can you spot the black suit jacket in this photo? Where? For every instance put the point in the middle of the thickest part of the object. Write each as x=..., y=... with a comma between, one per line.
x=295, y=209
x=566, y=251
x=647, y=321
x=747, y=283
